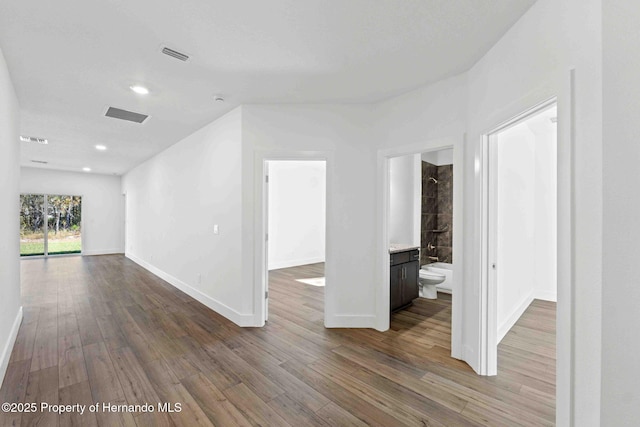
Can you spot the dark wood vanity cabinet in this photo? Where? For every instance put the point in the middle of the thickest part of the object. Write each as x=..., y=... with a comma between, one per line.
x=404, y=271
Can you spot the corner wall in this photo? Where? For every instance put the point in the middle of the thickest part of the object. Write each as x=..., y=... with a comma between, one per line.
x=342, y=135
x=102, y=204
x=404, y=199
x=620, y=245
x=173, y=201
x=10, y=308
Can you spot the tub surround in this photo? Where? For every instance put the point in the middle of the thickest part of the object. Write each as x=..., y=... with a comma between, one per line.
x=437, y=213
x=401, y=247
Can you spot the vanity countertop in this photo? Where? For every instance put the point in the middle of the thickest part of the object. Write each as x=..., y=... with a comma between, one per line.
x=401, y=247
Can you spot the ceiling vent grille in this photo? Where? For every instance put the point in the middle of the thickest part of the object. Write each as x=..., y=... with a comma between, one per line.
x=117, y=113
x=42, y=141
x=42, y=162
x=175, y=54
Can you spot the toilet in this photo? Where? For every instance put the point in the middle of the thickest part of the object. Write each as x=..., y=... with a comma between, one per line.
x=428, y=281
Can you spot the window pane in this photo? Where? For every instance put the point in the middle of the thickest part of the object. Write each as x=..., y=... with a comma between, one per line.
x=64, y=216
x=31, y=224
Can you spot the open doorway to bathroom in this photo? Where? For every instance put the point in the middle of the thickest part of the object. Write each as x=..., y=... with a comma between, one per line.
x=421, y=246
x=295, y=250
x=521, y=250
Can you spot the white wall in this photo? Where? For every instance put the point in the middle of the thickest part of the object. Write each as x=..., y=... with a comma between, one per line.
x=342, y=135
x=102, y=204
x=526, y=217
x=515, y=233
x=213, y=177
x=620, y=248
x=546, y=208
x=429, y=113
x=174, y=200
x=439, y=158
x=405, y=199
x=297, y=193
x=10, y=309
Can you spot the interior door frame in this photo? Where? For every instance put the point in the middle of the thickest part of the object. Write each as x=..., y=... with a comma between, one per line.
x=489, y=234
x=382, y=291
x=261, y=160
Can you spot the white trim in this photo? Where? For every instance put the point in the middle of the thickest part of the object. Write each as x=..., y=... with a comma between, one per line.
x=417, y=195
x=565, y=309
x=295, y=263
x=260, y=271
x=545, y=295
x=8, y=346
x=239, y=319
x=382, y=213
x=511, y=320
x=102, y=252
x=351, y=321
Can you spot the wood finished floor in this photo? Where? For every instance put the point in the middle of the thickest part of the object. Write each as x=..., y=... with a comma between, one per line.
x=102, y=329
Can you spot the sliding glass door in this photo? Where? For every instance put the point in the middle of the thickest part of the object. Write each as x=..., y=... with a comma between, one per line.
x=56, y=233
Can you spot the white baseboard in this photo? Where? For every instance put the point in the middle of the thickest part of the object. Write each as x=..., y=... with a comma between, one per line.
x=513, y=317
x=102, y=252
x=546, y=295
x=350, y=321
x=239, y=319
x=8, y=346
x=294, y=263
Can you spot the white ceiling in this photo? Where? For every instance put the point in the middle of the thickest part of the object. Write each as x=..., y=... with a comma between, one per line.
x=69, y=59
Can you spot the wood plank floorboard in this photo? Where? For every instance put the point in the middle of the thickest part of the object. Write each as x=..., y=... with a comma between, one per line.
x=102, y=329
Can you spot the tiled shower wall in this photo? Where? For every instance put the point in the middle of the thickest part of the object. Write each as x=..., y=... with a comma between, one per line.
x=437, y=213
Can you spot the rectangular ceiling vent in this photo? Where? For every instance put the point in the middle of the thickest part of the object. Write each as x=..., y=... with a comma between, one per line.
x=117, y=113
x=42, y=162
x=42, y=141
x=175, y=54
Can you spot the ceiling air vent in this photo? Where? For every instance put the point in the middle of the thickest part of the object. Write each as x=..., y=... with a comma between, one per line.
x=117, y=113
x=42, y=162
x=34, y=139
x=175, y=54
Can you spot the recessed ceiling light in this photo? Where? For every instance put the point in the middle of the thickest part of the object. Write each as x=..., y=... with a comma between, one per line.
x=218, y=98
x=34, y=139
x=140, y=90
x=86, y=169
x=101, y=147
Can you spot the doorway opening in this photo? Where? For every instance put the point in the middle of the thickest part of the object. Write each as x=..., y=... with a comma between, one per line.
x=50, y=225
x=402, y=173
x=520, y=257
x=295, y=202
x=420, y=233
